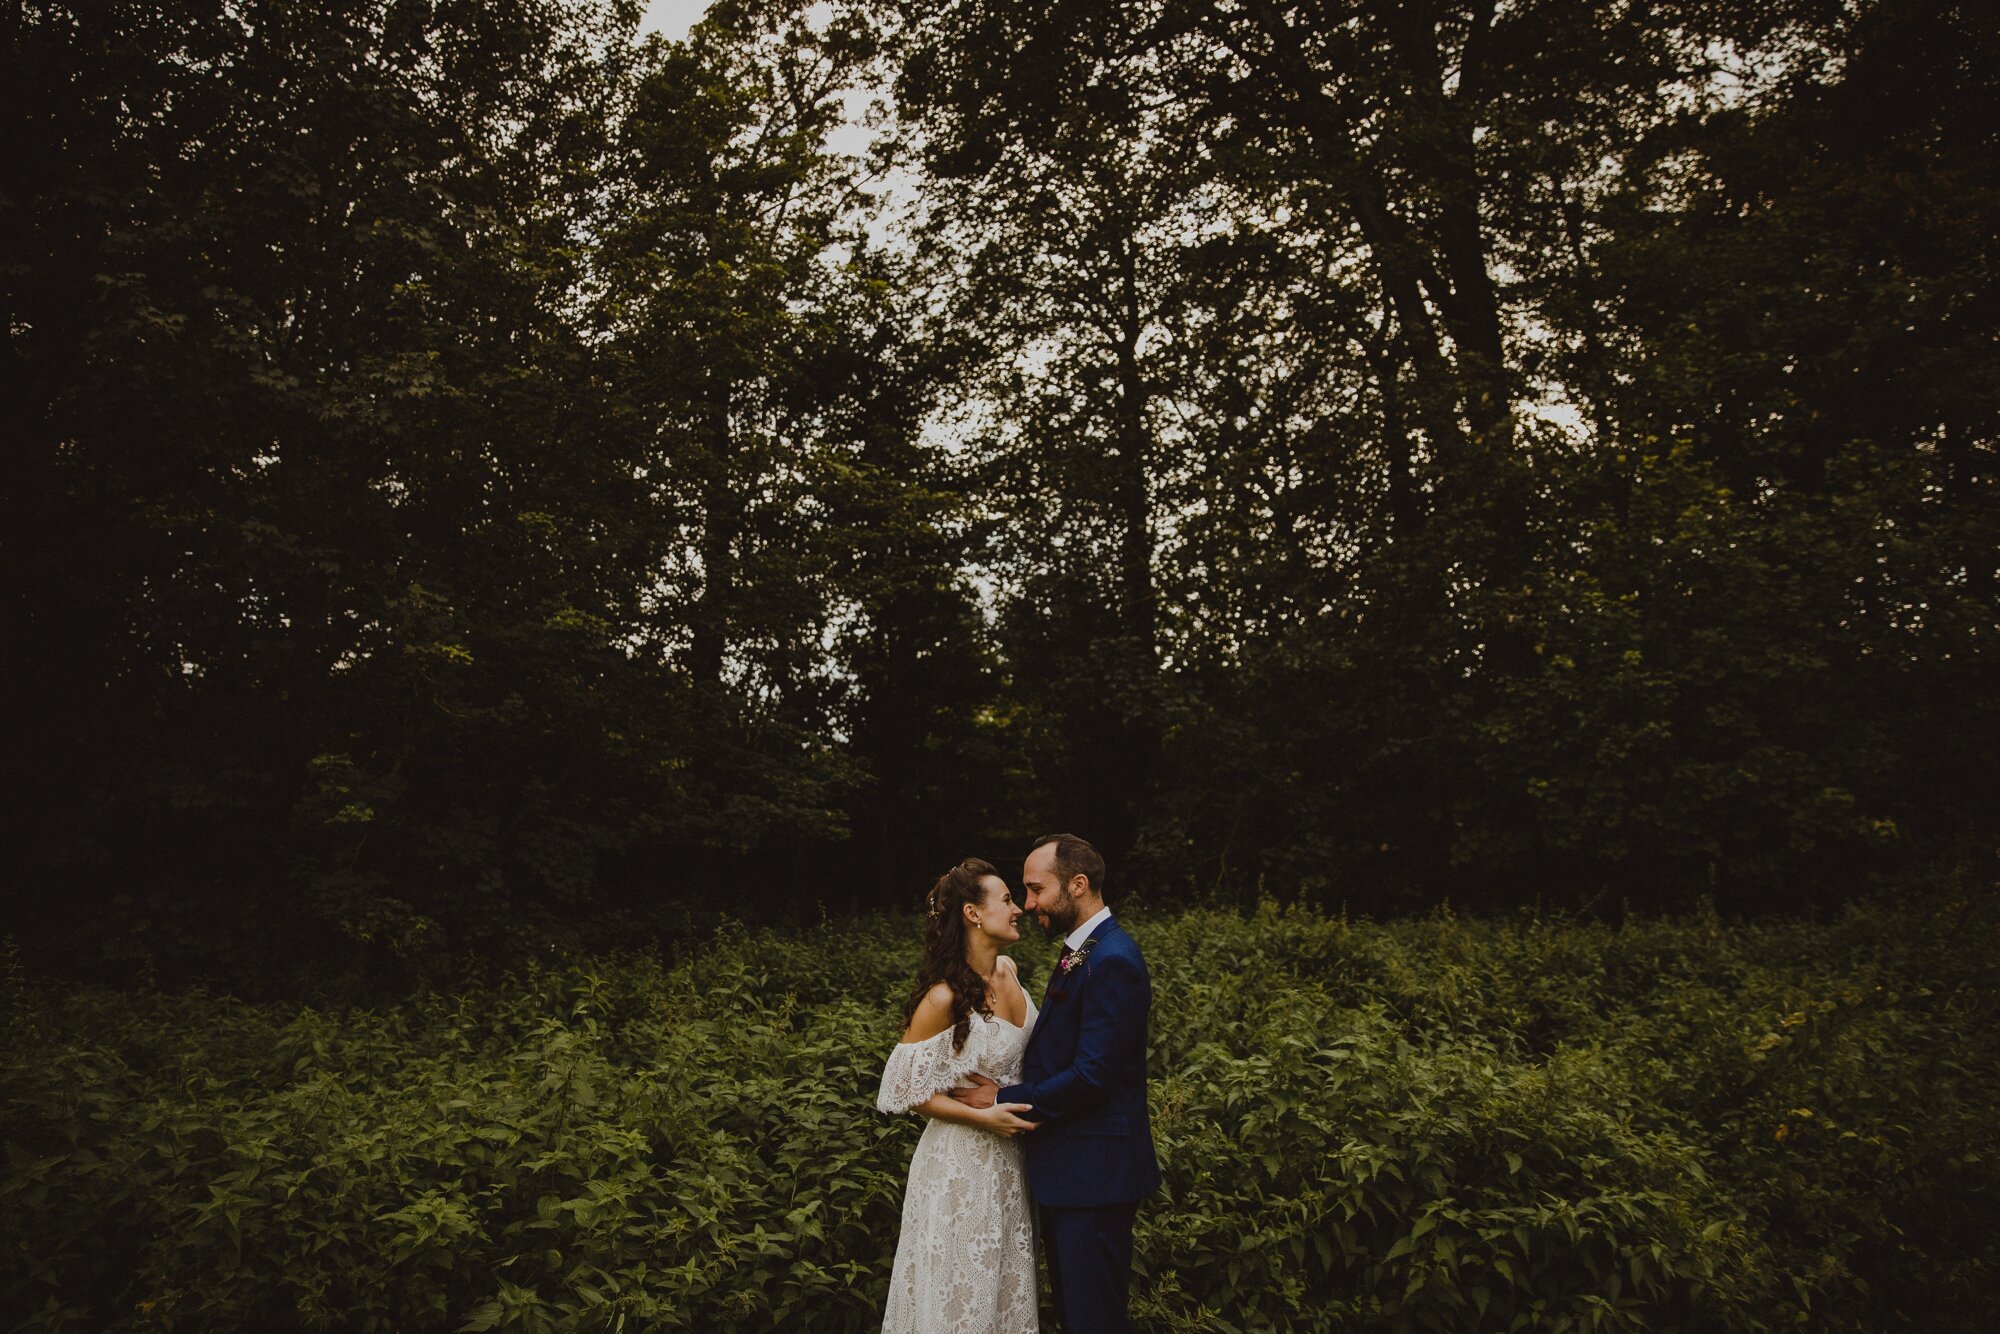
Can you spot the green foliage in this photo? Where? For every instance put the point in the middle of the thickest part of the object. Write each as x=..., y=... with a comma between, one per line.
x=1572, y=434
x=463, y=404
x=1436, y=1124
x=479, y=464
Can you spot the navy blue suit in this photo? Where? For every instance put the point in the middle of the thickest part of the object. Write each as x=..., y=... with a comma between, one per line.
x=1090, y=1160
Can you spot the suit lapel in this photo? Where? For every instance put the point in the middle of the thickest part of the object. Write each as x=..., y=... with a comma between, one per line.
x=1099, y=934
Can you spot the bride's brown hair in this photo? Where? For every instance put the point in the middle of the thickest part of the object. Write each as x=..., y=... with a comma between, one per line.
x=944, y=948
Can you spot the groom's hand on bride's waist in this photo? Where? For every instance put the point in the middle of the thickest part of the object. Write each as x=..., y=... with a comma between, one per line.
x=979, y=1093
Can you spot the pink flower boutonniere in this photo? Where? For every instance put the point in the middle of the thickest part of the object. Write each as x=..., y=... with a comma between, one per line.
x=1074, y=957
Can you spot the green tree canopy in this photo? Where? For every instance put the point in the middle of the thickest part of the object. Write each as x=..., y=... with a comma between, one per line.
x=487, y=476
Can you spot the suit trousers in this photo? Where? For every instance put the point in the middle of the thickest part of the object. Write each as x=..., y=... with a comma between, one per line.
x=1090, y=1266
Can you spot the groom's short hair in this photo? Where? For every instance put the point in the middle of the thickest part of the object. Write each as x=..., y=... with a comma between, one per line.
x=1075, y=857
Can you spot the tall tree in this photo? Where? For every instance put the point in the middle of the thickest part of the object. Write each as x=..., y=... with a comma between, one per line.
x=290, y=326
x=811, y=597
x=1464, y=165
x=1065, y=270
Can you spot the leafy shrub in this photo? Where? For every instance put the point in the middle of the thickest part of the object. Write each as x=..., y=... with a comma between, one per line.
x=1435, y=1124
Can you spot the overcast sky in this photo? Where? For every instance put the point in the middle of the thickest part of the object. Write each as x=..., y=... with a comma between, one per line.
x=672, y=18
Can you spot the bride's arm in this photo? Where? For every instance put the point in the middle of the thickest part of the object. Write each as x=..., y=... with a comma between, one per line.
x=1001, y=1118
x=932, y=1018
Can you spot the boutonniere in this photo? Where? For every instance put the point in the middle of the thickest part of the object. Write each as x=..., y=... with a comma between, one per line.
x=1074, y=957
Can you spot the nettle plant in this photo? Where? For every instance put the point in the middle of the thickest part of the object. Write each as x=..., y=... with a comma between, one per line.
x=1432, y=1124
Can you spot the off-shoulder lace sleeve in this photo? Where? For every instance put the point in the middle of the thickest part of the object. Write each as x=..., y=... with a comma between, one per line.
x=916, y=1070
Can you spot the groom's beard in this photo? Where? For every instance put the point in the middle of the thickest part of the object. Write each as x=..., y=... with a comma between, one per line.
x=1058, y=927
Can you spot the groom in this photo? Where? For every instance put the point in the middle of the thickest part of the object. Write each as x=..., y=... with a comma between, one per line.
x=1091, y=1160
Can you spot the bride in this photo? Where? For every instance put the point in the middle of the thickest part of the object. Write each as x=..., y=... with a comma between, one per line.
x=965, y=1259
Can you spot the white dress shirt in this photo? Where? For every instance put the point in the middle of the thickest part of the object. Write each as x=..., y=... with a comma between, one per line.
x=1076, y=938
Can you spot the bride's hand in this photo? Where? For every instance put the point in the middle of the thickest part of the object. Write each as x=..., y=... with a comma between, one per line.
x=1001, y=1119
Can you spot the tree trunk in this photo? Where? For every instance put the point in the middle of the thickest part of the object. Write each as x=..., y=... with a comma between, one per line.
x=1134, y=501
x=721, y=521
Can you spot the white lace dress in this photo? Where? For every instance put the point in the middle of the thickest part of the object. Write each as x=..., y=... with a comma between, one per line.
x=965, y=1259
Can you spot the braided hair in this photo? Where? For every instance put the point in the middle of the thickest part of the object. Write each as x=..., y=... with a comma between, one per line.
x=944, y=948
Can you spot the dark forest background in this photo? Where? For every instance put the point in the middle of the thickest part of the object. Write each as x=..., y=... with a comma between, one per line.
x=484, y=479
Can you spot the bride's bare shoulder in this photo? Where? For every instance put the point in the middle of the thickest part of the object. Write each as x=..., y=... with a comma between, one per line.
x=933, y=1014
